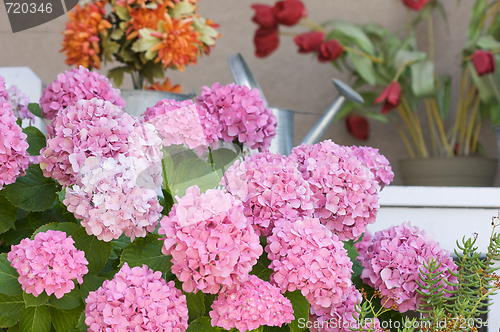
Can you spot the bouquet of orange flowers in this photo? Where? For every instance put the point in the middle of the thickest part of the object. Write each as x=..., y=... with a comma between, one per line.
x=146, y=36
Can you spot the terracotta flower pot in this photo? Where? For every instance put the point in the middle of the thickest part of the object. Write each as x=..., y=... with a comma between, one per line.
x=454, y=172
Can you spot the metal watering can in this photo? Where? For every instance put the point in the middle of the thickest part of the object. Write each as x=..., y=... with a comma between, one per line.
x=283, y=142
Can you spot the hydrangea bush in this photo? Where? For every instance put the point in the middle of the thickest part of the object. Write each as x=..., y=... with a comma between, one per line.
x=158, y=223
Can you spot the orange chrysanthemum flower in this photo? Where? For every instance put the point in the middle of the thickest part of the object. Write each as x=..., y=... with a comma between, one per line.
x=143, y=3
x=81, y=37
x=179, y=45
x=144, y=18
x=166, y=86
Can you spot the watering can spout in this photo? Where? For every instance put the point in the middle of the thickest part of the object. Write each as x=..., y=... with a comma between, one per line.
x=283, y=141
x=345, y=93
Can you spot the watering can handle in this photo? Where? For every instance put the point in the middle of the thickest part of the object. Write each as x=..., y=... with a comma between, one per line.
x=319, y=129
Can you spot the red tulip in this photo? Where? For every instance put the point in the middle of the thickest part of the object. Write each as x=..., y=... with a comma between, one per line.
x=390, y=96
x=266, y=41
x=415, y=4
x=330, y=50
x=484, y=62
x=289, y=12
x=309, y=41
x=265, y=16
x=358, y=126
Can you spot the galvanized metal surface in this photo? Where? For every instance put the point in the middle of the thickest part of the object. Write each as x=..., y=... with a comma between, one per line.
x=137, y=101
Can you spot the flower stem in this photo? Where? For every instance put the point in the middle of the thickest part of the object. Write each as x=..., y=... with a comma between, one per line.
x=366, y=55
x=308, y=23
x=432, y=127
x=472, y=121
x=440, y=126
x=405, y=140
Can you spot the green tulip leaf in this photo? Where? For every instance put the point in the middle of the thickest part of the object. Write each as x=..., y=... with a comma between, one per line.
x=364, y=67
x=422, y=82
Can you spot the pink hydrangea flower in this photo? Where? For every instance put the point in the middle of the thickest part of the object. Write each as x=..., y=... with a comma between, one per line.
x=211, y=242
x=75, y=85
x=305, y=255
x=180, y=123
x=109, y=201
x=50, y=262
x=145, y=152
x=136, y=299
x=14, y=158
x=377, y=163
x=19, y=102
x=88, y=128
x=345, y=190
x=254, y=303
x=393, y=260
x=341, y=316
x=3, y=89
x=271, y=187
x=240, y=113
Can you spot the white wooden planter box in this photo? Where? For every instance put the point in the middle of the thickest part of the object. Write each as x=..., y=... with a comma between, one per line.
x=448, y=213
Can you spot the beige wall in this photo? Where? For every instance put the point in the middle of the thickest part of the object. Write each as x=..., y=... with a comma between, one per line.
x=289, y=79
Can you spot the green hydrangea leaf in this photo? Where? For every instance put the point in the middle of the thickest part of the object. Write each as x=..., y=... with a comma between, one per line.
x=96, y=252
x=36, y=140
x=32, y=192
x=34, y=319
x=8, y=215
x=9, y=309
x=147, y=251
x=300, y=310
x=8, y=278
x=65, y=320
x=31, y=300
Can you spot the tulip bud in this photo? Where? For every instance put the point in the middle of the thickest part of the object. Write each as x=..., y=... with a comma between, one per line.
x=309, y=41
x=358, y=126
x=265, y=16
x=330, y=50
x=484, y=62
x=289, y=12
x=266, y=41
x=390, y=96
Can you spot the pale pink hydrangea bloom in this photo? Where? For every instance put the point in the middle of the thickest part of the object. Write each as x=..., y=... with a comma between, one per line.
x=88, y=128
x=341, y=316
x=179, y=123
x=211, y=241
x=377, y=163
x=241, y=114
x=136, y=299
x=109, y=201
x=145, y=151
x=393, y=260
x=305, y=255
x=254, y=303
x=271, y=187
x=3, y=89
x=345, y=190
x=50, y=262
x=14, y=158
x=75, y=85
x=19, y=102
